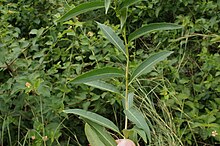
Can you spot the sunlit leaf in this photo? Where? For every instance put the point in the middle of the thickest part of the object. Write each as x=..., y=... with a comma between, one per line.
x=80, y=9
x=107, y=5
x=103, y=86
x=96, y=74
x=152, y=27
x=138, y=119
x=92, y=136
x=94, y=118
x=147, y=65
x=112, y=37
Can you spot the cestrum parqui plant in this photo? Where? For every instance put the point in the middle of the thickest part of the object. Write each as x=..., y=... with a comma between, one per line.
x=96, y=125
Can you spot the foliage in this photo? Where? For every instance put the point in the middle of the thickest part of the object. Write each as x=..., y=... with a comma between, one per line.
x=40, y=58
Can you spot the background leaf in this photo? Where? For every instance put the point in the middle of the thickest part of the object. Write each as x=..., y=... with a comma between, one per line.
x=112, y=37
x=82, y=8
x=96, y=74
x=138, y=119
x=147, y=65
x=123, y=16
x=107, y=5
x=152, y=27
x=103, y=86
x=92, y=136
x=128, y=3
x=94, y=118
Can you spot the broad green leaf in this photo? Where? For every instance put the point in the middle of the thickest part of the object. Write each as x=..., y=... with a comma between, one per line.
x=80, y=9
x=127, y=3
x=138, y=119
x=102, y=133
x=96, y=74
x=112, y=37
x=147, y=65
x=150, y=28
x=94, y=118
x=107, y=5
x=37, y=32
x=103, y=86
x=123, y=16
x=92, y=136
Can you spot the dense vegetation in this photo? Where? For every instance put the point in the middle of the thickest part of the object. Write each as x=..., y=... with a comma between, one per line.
x=40, y=57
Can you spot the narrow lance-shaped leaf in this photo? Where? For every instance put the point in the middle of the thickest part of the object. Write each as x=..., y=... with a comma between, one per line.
x=103, y=86
x=150, y=28
x=94, y=118
x=141, y=133
x=92, y=136
x=123, y=16
x=96, y=74
x=102, y=133
x=107, y=5
x=112, y=37
x=138, y=119
x=127, y=3
x=147, y=65
x=80, y=9
x=130, y=99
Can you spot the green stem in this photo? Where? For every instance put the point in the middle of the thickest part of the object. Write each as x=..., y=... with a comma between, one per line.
x=126, y=76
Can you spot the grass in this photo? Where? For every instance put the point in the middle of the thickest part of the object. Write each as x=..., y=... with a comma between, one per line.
x=163, y=128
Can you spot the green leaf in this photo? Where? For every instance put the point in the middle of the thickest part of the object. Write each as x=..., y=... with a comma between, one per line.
x=102, y=133
x=130, y=99
x=92, y=136
x=38, y=32
x=107, y=5
x=141, y=133
x=128, y=3
x=43, y=90
x=112, y=37
x=80, y=9
x=147, y=65
x=96, y=74
x=94, y=118
x=150, y=28
x=103, y=86
x=130, y=134
x=138, y=119
x=123, y=16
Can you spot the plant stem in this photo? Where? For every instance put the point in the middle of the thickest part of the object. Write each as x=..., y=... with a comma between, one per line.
x=126, y=76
